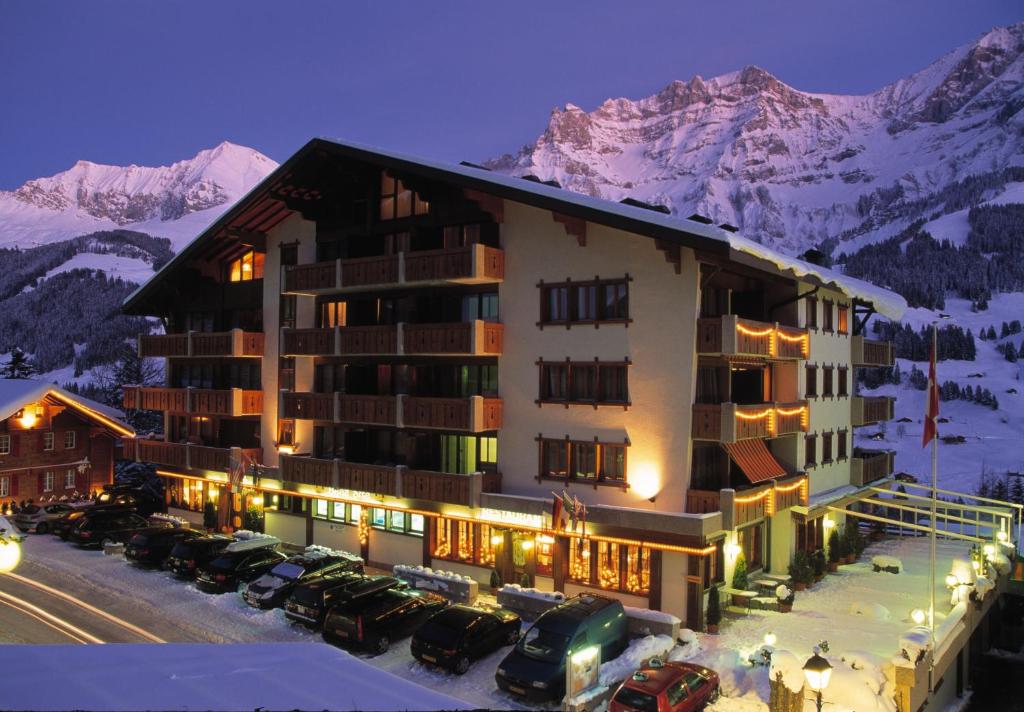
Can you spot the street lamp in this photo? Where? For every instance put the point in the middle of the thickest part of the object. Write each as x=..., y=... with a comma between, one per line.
x=817, y=670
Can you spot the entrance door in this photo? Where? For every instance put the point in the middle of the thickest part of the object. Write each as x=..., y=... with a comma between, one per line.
x=692, y=605
x=523, y=557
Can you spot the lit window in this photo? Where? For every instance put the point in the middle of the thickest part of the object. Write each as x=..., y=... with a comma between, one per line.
x=5, y=486
x=397, y=523
x=69, y=440
x=416, y=524
x=465, y=540
x=5, y=444
x=48, y=441
x=247, y=267
x=69, y=479
x=545, y=546
x=485, y=555
x=354, y=512
x=320, y=508
x=579, y=560
x=378, y=517
x=443, y=545
x=339, y=511
x=399, y=201
x=608, y=573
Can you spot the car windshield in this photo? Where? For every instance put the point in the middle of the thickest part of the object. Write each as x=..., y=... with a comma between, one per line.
x=224, y=563
x=637, y=700
x=543, y=644
x=287, y=571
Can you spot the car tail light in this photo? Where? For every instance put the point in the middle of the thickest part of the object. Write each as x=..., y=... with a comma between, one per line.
x=449, y=652
x=191, y=563
x=359, y=627
x=220, y=578
x=84, y=534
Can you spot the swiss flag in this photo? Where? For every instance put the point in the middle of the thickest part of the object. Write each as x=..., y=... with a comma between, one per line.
x=931, y=408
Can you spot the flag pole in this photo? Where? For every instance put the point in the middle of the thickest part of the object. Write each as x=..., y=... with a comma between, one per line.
x=934, y=535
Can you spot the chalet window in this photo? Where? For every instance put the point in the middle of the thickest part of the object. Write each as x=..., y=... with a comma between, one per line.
x=826, y=316
x=811, y=388
x=844, y=319
x=398, y=201
x=69, y=439
x=5, y=444
x=751, y=540
x=286, y=373
x=827, y=389
x=812, y=312
x=810, y=450
x=48, y=441
x=69, y=479
x=843, y=387
x=841, y=444
x=48, y=482
x=395, y=520
x=286, y=433
x=589, y=302
x=5, y=486
x=592, y=383
x=247, y=267
x=826, y=448
x=583, y=460
x=333, y=314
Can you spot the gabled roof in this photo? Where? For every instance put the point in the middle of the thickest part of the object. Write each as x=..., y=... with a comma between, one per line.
x=630, y=218
x=16, y=393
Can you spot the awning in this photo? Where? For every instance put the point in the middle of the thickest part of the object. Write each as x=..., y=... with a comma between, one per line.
x=754, y=458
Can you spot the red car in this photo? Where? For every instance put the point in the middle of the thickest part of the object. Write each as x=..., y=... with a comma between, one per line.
x=666, y=687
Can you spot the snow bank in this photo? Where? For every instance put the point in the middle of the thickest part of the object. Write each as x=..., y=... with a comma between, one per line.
x=687, y=636
x=789, y=667
x=875, y=611
x=1000, y=562
x=400, y=569
x=649, y=615
x=247, y=535
x=518, y=590
x=983, y=585
x=915, y=642
x=635, y=656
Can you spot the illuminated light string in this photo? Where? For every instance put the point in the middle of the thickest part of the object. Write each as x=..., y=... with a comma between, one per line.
x=801, y=339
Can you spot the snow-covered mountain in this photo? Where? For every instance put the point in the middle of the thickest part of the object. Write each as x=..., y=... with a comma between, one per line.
x=175, y=201
x=792, y=168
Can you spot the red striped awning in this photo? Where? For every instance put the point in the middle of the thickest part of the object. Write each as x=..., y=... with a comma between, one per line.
x=755, y=459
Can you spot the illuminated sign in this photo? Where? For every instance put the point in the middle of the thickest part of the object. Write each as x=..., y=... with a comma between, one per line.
x=501, y=516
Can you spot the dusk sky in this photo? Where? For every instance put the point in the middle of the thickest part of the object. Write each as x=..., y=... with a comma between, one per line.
x=151, y=83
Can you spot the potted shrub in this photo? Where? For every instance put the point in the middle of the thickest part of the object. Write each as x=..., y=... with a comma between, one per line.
x=524, y=580
x=785, y=596
x=818, y=564
x=851, y=535
x=800, y=571
x=739, y=579
x=714, y=614
x=835, y=550
x=495, y=581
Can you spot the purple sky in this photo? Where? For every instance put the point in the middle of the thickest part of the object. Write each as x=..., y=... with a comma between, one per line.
x=150, y=83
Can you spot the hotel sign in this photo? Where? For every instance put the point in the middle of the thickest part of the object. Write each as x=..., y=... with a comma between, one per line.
x=501, y=516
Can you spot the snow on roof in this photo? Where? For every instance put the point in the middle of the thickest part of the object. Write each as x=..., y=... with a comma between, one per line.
x=304, y=676
x=16, y=393
x=637, y=219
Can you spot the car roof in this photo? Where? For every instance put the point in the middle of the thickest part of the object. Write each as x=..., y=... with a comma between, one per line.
x=566, y=617
x=336, y=579
x=659, y=678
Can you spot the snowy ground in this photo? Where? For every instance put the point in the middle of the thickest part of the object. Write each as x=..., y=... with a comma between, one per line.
x=131, y=269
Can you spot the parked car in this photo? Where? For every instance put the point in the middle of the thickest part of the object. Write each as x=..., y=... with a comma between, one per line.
x=535, y=669
x=190, y=555
x=272, y=589
x=141, y=500
x=375, y=621
x=310, y=600
x=666, y=687
x=151, y=546
x=240, y=562
x=9, y=533
x=39, y=518
x=95, y=528
x=457, y=635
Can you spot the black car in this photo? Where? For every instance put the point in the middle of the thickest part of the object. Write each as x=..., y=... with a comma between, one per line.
x=310, y=600
x=232, y=567
x=374, y=622
x=151, y=546
x=140, y=500
x=272, y=589
x=190, y=555
x=96, y=528
x=457, y=635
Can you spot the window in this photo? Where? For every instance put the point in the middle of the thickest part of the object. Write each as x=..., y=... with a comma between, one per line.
x=338, y=511
x=826, y=448
x=5, y=486
x=320, y=507
x=69, y=479
x=812, y=312
x=591, y=383
x=843, y=388
x=398, y=201
x=811, y=387
x=590, y=302
x=416, y=524
x=826, y=385
x=393, y=520
x=5, y=444
x=676, y=693
x=48, y=441
x=69, y=440
x=751, y=540
x=844, y=319
x=247, y=267
x=378, y=517
x=611, y=566
x=48, y=482
x=355, y=511
x=583, y=460
x=826, y=315
x=286, y=433
x=810, y=450
x=841, y=444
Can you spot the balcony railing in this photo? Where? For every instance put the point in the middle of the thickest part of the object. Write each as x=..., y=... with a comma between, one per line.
x=867, y=411
x=869, y=466
x=231, y=402
x=702, y=501
x=186, y=456
x=388, y=480
x=234, y=343
x=473, y=264
x=728, y=422
x=475, y=414
x=730, y=335
x=471, y=338
x=871, y=353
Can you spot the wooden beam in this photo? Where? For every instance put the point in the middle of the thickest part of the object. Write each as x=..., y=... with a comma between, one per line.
x=573, y=226
x=488, y=203
x=673, y=254
x=256, y=240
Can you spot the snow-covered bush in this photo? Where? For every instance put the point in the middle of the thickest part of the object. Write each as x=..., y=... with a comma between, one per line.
x=784, y=594
x=875, y=611
x=787, y=669
x=886, y=563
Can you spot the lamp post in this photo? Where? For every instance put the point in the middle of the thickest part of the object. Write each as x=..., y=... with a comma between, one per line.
x=817, y=670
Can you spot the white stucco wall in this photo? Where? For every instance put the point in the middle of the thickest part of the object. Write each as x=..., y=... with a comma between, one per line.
x=390, y=548
x=673, y=583
x=289, y=528
x=336, y=535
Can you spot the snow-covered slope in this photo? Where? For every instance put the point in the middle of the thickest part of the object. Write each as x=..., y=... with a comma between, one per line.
x=792, y=168
x=175, y=201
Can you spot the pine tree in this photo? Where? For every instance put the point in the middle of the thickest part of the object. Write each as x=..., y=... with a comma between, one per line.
x=1010, y=353
x=999, y=490
x=19, y=366
x=1017, y=490
x=130, y=370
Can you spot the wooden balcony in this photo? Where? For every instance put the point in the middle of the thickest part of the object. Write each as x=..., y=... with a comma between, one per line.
x=868, y=411
x=474, y=264
x=702, y=501
x=389, y=480
x=341, y=341
x=871, y=353
x=729, y=335
x=474, y=415
x=185, y=456
x=469, y=338
x=308, y=406
x=728, y=422
x=869, y=466
x=234, y=344
x=231, y=402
